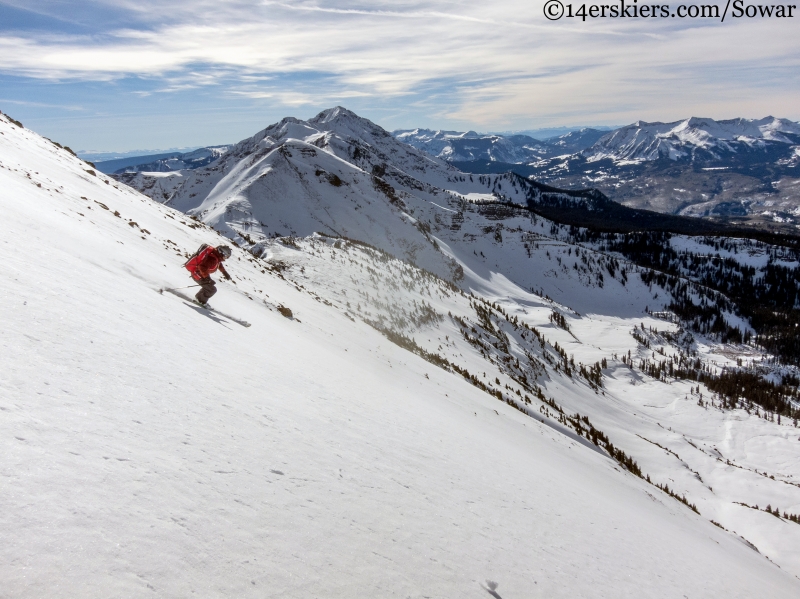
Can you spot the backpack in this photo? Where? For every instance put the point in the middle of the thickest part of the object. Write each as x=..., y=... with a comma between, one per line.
x=191, y=263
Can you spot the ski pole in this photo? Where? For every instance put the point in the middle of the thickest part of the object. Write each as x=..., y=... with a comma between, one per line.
x=176, y=288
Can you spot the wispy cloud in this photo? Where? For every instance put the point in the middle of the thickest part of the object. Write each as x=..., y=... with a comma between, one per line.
x=297, y=98
x=68, y=107
x=492, y=64
x=409, y=14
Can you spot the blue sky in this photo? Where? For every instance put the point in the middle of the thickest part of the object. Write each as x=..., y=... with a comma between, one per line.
x=145, y=74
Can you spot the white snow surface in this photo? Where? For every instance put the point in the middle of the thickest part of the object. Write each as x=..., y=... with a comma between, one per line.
x=150, y=447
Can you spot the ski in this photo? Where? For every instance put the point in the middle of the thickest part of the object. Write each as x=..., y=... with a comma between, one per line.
x=194, y=303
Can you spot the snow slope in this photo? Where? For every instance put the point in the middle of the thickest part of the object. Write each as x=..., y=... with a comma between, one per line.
x=157, y=185
x=343, y=176
x=149, y=446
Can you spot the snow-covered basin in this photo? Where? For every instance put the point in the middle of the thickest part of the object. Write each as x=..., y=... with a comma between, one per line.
x=149, y=447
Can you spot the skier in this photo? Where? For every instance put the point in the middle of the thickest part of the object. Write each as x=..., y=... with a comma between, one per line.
x=207, y=260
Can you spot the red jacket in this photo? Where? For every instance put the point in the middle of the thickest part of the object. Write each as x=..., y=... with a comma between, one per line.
x=204, y=263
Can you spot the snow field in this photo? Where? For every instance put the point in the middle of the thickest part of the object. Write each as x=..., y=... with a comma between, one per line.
x=284, y=181
x=660, y=424
x=150, y=446
x=501, y=255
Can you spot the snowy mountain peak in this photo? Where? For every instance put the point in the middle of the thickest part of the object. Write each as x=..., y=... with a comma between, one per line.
x=286, y=128
x=331, y=114
x=347, y=123
x=776, y=128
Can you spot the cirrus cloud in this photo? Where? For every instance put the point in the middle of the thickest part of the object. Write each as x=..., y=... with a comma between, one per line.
x=457, y=61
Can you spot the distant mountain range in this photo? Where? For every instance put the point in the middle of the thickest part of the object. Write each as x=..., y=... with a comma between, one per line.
x=692, y=140
x=547, y=133
x=456, y=146
x=575, y=141
x=163, y=163
x=745, y=171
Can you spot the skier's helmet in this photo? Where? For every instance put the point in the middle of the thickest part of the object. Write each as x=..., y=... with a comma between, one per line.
x=224, y=250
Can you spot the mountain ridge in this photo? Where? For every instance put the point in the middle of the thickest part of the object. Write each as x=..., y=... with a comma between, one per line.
x=694, y=139
x=747, y=176
x=355, y=140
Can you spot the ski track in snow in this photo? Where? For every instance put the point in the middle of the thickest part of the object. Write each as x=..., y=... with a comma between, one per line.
x=150, y=448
